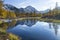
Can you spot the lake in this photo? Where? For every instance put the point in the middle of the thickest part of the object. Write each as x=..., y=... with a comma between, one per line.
x=35, y=30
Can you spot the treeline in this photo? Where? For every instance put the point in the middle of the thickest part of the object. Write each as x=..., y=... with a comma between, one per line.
x=28, y=15
x=6, y=13
x=52, y=14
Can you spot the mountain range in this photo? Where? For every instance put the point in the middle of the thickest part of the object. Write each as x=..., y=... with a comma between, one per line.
x=28, y=9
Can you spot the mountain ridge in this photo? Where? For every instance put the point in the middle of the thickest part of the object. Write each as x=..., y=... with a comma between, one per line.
x=28, y=9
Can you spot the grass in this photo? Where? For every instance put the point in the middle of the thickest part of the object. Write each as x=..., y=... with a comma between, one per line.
x=9, y=35
x=2, y=30
x=1, y=22
x=13, y=37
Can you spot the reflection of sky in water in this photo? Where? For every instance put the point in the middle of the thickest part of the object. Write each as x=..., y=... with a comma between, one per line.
x=38, y=31
x=58, y=36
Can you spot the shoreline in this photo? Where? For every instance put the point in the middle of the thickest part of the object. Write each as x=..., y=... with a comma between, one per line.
x=40, y=19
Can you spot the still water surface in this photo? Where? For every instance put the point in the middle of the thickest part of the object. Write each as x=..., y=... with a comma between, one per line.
x=36, y=30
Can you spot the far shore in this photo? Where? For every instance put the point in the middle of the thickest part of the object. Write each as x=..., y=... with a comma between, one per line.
x=38, y=18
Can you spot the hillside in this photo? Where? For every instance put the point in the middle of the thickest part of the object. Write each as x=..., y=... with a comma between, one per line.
x=8, y=11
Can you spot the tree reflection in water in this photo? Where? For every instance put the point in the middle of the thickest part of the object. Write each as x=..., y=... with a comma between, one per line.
x=55, y=27
x=50, y=25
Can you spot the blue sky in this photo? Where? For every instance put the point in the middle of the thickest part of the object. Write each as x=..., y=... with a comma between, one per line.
x=38, y=4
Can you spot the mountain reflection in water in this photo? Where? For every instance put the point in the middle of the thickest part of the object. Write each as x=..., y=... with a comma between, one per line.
x=26, y=22
x=33, y=29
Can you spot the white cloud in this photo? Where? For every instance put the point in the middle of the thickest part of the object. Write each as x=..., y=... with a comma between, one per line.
x=55, y=0
x=39, y=4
